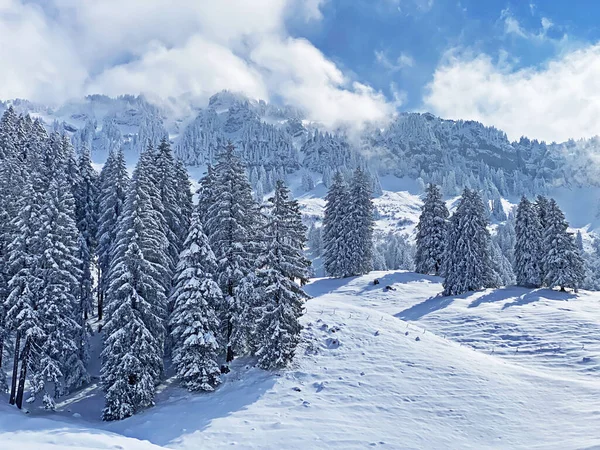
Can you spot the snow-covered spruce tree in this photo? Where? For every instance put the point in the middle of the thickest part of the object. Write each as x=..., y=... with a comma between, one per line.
x=57, y=270
x=160, y=255
x=22, y=316
x=113, y=184
x=360, y=224
x=8, y=133
x=278, y=327
x=206, y=195
x=398, y=253
x=467, y=263
x=10, y=185
x=542, y=205
x=194, y=322
x=431, y=232
x=315, y=241
x=86, y=215
x=163, y=171
x=335, y=248
x=308, y=183
x=579, y=242
x=501, y=265
x=134, y=334
x=498, y=212
x=563, y=265
x=185, y=204
x=232, y=224
x=173, y=185
x=528, y=245
x=506, y=239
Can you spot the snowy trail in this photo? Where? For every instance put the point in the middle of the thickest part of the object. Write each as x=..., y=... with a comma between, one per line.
x=365, y=378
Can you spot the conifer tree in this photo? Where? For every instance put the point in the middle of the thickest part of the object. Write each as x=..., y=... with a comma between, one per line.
x=498, y=210
x=132, y=358
x=58, y=306
x=431, y=233
x=206, y=195
x=22, y=317
x=232, y=226
x=528, y=245
x=335, y=247
x=113, y=184
x=359, y=225
x=562, y=262
x=542, y=206
x=467, y=263
x=281, y=306
x=86, y=215
x=185, y=202
x=195, y=327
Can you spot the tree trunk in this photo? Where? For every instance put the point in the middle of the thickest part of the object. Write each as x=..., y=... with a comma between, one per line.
x=13, y=384
x=229, y=356
x=100, y=304
x=24, y=361
x=99, y=294
x=1, y=349
x=229, y=348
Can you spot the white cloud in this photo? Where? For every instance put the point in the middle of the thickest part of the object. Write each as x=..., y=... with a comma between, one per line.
x=403, y=61
x=513, y=27
x=304, y=77
x=546, y=24
x=66, y=48
x=34, y=55
x=555, y=102
x=511, y=24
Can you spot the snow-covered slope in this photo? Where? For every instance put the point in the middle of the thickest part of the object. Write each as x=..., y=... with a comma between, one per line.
x=403, y=368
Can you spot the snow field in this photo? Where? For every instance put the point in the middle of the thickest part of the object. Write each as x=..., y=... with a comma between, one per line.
x=383, y=369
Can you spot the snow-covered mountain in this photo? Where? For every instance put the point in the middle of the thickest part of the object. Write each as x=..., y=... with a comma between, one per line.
x=277, y=141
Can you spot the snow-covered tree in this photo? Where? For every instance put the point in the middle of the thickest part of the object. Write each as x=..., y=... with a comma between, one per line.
x=501, y=265
x=528, y=245
x=132, y=358
x=397, y=251
x=431, y=233
x=283, y=267
x=335, y=247
x=57, y=267
x=206, y=195
x=86, y=215
x=467, y=262
x=194, y=323
x=232, y=224
x=113, y=184
x=308, y=183
x=498, y=212
x=506, y=239
x=315, y=240
x=22, y=316
x=359, y=224
x=562, y=262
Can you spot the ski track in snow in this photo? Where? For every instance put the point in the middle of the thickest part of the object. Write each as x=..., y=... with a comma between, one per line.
x=508, y=368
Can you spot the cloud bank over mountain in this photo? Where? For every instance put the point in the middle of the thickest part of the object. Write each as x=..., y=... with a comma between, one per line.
x=68, y=48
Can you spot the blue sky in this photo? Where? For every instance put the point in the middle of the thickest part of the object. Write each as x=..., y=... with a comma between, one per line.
x=403, y=43
x=527, y=68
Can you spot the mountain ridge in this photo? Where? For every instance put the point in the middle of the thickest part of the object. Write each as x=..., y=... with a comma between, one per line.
x=281, y=140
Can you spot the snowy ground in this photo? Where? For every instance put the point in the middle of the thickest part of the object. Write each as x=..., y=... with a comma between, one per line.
x=509, y=368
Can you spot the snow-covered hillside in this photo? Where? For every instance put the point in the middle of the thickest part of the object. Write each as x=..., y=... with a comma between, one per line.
x=403, y=368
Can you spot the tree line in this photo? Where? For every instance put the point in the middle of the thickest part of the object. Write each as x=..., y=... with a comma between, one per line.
x=200, y=284
x=460, y=248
